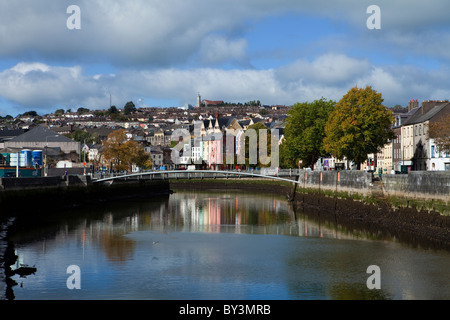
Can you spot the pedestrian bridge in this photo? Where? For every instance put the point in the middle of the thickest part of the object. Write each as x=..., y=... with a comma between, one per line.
x=283, y=175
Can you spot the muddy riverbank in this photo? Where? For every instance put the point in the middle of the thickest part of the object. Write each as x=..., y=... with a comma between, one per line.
x=416, y=227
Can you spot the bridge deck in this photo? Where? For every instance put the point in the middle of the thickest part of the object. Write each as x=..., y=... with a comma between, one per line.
x=288, y=176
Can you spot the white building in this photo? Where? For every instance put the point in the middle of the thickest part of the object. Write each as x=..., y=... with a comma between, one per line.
x=439, y=161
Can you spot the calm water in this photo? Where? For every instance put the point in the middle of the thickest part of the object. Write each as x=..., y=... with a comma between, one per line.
x=225, y=246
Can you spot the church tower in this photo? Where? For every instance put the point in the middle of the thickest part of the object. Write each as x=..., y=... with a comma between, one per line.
x=199, y=100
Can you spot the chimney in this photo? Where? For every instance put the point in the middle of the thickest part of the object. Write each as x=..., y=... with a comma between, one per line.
x=430, y=104
x=413, y=104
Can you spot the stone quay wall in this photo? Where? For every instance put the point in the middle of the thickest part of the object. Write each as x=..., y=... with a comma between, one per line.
x=425, y=185
x=428, y=185
x=337, y=181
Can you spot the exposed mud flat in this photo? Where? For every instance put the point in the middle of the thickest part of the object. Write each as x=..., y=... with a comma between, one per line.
x=422, y=228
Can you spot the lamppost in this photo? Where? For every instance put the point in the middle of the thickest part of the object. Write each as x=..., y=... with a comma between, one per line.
x=45, y=158
x=85, y=150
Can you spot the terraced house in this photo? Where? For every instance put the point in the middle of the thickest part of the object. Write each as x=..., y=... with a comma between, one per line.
x=418, y=150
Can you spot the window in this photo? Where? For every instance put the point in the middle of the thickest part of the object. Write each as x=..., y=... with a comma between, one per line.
x=432, y=151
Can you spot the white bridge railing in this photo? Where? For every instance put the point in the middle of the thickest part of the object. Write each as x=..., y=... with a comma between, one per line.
x=284, y=175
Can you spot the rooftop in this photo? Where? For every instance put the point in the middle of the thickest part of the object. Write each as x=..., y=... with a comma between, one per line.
x=41, y=134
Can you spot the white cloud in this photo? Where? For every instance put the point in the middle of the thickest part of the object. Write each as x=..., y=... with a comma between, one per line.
x=39, y=86
x=24, y=68
x=173, y=49
x=44, y=87
x=328, y=69
x=167, y=33
x=216, y=50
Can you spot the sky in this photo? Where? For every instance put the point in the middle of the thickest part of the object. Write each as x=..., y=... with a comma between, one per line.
x=162, y=53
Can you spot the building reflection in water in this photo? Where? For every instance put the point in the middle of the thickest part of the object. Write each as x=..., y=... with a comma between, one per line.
x=103, y=233
x=233, y=212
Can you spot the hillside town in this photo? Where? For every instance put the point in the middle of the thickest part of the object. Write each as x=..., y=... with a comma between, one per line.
x=49, y=142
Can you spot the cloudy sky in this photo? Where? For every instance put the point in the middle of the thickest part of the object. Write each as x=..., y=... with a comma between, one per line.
x=163, y=52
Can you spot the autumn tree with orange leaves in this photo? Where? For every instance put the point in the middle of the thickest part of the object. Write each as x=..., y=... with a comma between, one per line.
x=123, y=153
x=359, y=125
x=440, y=132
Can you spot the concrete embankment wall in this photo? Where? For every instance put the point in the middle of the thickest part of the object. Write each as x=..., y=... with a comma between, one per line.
x=424, y=185
x=427, y=185
x=337, y=181
x=56, y=193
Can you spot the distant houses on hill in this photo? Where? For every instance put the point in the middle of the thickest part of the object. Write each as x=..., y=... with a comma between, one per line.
x=154, y=128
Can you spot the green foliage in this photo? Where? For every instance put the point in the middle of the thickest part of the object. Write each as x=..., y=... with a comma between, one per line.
x=113, y=110
x=30, y=114
x=304, y=133
x=129, y=108
x=115, y=114
x=82, y=110
x=7, y=118
x=359, y=125
x=253, y=103
x=398, y=108
x=82, y=136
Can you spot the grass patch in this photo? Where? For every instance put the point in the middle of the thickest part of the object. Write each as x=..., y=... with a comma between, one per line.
x=420, y=204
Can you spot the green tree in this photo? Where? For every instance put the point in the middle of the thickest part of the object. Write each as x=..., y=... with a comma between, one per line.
x=113, y=110
x=398, y=108
x=30, y=114
x=129, y=108
x=359, y=125
x=304, y=133
x=82, y=110
x=83, y=136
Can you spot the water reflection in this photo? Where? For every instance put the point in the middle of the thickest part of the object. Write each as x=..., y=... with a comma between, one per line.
x=209, y=212
x=207, y=245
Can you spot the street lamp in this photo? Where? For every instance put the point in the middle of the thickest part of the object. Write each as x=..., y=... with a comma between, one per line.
x=45, y=158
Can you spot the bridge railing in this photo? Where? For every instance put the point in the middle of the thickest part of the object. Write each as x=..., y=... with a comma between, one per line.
x=181, y=174
x=286, y=175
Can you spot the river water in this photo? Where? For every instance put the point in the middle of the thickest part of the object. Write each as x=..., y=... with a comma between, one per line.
x=230, y=245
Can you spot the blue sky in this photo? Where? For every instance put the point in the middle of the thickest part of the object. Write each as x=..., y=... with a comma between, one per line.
x=161, y=53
